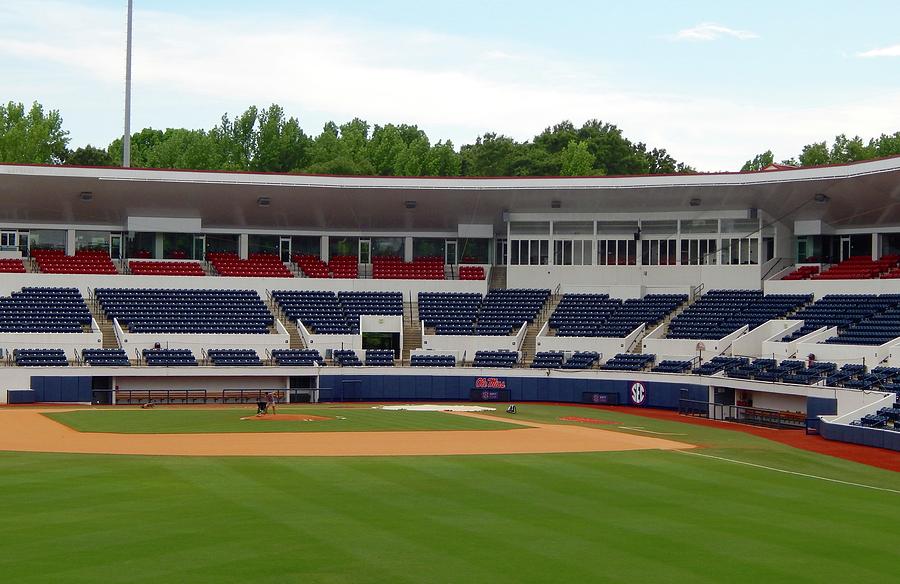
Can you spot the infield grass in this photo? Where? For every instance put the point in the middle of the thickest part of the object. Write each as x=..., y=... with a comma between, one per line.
x=630, y=517
x=192, y=420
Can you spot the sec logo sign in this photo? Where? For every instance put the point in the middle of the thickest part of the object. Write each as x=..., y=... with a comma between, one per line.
x=638, y=393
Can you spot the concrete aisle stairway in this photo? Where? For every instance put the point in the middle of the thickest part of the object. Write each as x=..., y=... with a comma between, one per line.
x=498, y=278
x=529, y=343
x=291, y=326
x=412, y=330
x=106, y=326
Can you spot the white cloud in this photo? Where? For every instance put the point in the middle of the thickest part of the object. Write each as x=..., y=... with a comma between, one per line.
x=710, y=31
x=891, y=51
x=188, y=71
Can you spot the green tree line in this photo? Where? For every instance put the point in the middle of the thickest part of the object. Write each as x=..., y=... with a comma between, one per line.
x=266, y=140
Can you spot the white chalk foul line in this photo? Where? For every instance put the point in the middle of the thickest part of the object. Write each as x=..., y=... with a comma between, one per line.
x=790, y=472
x=639, y=429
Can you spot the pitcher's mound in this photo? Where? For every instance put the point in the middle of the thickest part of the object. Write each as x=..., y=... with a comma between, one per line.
x=287, y=418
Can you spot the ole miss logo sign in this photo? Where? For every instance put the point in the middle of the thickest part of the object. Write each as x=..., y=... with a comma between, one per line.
x=637, y=394
x=490, y=383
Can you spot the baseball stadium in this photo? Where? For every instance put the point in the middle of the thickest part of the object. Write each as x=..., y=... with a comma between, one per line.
x=313, y=374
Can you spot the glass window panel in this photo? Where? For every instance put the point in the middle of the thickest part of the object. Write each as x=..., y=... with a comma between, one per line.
x=573, y=228
x=529, y=228
x=474, y=251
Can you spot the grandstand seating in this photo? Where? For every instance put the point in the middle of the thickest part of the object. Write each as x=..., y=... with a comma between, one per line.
x=597, y=315
x=12, y=265
x=787, y=371
x=346, y=358
x=169, y=357
x=44, y=310
x=721, y=312
x=495, y=359
x=186, y=311
x=547, y=360
x=344, y=267
x=257, y=265
x=432, y=361
x=720, y=363
x=297, y=357
x=105, y=357
x=859, y=268
x=450, y=313
x=151, y=268
x=504, y=311
x=55, y=261
x=40, y=357
x=319, y=311
x=860, y=318
x=629, y=362
x=672, y=366
x=311, y=266
x=379, y=358
x=471, y=273
x=582, y=360
x=359, y=303
x=802, y=273
x=394, y=268
x=233, y=357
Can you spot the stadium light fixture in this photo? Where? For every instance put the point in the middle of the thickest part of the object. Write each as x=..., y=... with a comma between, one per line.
x=126, y=135
x=264, y=201
x=555, y=204
x=86, y=196
x=695, y=202
x=821, y=198
x=409, y=204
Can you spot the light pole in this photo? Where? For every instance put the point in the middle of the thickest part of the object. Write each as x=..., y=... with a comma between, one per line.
x=126, y=137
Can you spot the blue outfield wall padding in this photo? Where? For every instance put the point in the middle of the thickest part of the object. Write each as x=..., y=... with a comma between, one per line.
x=889, y=439
x=20, y=396
x=820, y=406
x=458, y=387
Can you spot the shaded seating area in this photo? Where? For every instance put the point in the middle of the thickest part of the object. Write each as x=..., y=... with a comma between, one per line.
x=344, y=267
x=12, y=266
x=169, y=357
x=257, y=265
x=495, y=359
x=55, y=261
x=720, y=363
x=859, y=268
x=297, y=357
x=40, y=357
x=44, y=310
x=629, y=362
x=356, y=304
x=394, y=268
x=233, y=357
x=802, y=273
x=311, y=266
x=151, y=268
x=786, y=371
x=471, y=273
x=432, y=361
x=346, y=358
x=719, y=313
x=186, y=310
x=105, y=357
x=379, y=358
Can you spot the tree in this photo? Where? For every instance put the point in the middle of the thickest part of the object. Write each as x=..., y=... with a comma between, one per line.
x=89, y=156
x=443, y=160
x=814, y=154
x=31, y=137
x=576, y=160
x=760, y=161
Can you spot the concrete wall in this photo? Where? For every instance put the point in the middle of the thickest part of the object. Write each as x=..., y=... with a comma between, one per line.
x=71, y=343
x=134, y=343
x=752, y=344
x=468, y=345
x=687, y=348
x=599, y=278
x=821, y=288
x=606, y=346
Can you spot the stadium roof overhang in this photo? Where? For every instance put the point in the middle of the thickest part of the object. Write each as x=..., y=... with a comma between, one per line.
x=845, y=196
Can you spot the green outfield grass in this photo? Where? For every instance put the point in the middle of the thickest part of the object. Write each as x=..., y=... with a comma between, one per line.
x=632, y=517
x=189, y=420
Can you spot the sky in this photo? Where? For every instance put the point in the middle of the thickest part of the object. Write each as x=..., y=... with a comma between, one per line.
x=712, y=82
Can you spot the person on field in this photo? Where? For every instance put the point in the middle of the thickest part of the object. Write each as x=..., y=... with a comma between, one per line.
x=260, y=406
x=270, y=402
